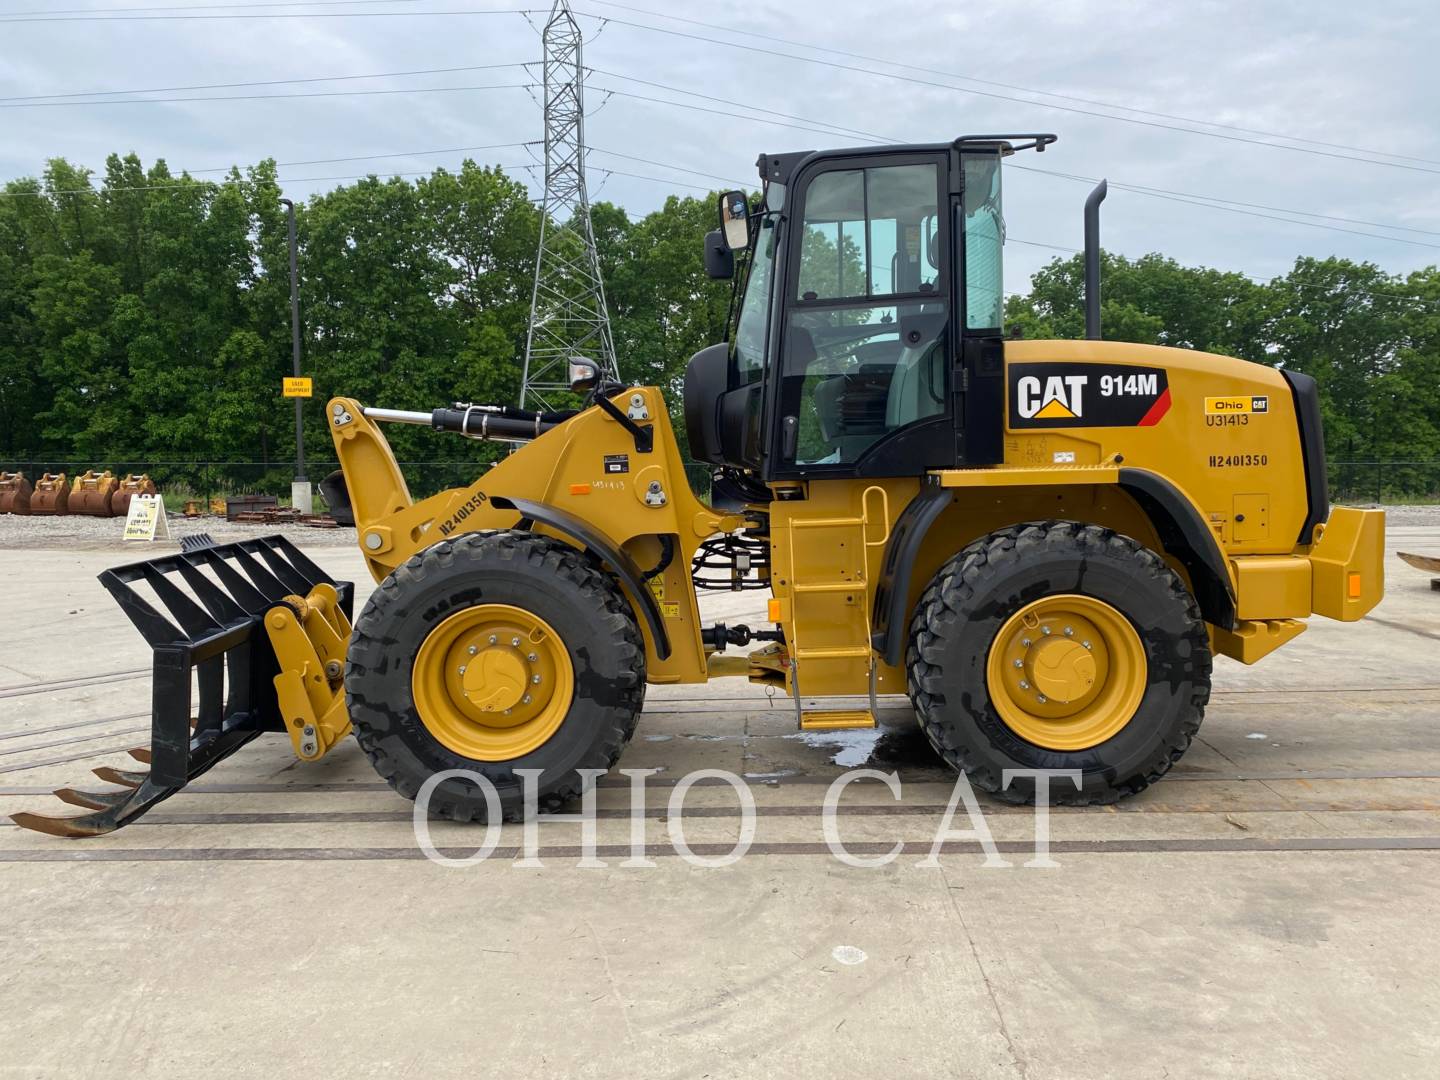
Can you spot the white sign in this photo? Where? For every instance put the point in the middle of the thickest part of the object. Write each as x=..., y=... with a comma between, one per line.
x=147, y=519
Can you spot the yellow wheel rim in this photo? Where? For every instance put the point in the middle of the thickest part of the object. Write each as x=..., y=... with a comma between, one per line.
x=493, y=682
x=1066, y=672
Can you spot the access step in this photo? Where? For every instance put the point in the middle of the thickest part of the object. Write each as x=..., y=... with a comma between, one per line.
x=838, y=652
x=838, y=720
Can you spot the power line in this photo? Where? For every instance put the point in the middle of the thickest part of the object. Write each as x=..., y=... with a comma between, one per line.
x=1142, y=189
x=745, y=32
x=756, y=114
x=1006, y=97
x=209, y=7
x=737, y=104
x=119, y=14
x=263, y=15
x=269, y=97
x=1226, y=205
x=664, y=165
x=267, y=82
x=1157, y=193
x=379, y=157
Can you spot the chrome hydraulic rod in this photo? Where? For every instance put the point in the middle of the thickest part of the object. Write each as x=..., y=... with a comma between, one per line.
x=399, y=416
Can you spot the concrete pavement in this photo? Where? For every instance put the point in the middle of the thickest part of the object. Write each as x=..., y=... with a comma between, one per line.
x=1265, y=911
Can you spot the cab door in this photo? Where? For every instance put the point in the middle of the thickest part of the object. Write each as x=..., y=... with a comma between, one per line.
x=862, y=386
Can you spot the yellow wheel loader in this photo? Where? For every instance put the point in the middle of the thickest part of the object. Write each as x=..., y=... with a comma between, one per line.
x=1041, y=543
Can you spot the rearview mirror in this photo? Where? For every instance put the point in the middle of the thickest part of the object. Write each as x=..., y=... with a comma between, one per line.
x=735, y=219
x=719, y=259
x=584, y=373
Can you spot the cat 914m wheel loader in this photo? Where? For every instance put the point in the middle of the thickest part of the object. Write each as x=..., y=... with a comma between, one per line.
x=1042, y=543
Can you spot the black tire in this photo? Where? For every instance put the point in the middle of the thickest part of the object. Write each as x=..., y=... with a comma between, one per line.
x=975, y=592
x=551, y=579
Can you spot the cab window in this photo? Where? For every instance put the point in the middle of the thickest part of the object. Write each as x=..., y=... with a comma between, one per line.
x=864, y=352
x=750, y=328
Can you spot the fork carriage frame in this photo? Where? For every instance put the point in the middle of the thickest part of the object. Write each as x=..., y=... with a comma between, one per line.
x=211, y=640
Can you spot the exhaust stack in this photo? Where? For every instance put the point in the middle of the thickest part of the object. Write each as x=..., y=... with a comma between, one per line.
x=1092, y=261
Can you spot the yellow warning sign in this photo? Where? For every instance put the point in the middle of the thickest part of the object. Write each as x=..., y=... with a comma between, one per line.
x=299, y=386
x=657, y=586
x=1055, y=410
x=146, y=519
x=670, y=610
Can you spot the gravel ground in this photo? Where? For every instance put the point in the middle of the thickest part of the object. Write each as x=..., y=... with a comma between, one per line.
x=79, y=531
x=1406, y=515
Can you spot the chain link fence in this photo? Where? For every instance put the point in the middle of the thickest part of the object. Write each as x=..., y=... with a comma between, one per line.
x=1385, y=482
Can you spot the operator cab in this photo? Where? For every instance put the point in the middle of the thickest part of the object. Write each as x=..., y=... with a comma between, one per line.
x=865, y=335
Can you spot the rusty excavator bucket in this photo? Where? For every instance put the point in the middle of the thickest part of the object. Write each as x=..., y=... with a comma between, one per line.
x=214, y=643
x=91, y=492
x=127, y=488
x=15, y=492
x=51, y=495
x=1428, y=563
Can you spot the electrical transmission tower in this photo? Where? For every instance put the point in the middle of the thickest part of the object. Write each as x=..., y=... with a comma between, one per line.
x=567, y=308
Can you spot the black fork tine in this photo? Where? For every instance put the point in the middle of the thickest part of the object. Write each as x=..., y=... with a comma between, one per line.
x=123, y=777
x=105, y=819
x=92, y=800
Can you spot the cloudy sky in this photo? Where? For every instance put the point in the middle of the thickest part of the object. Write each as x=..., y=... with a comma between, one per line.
x=1352, y=90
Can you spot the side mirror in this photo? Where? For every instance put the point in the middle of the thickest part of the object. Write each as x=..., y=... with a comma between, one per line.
x=719, y=259
x=735, y=219
x=584, y=373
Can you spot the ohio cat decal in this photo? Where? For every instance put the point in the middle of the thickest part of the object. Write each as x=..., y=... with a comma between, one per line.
x=1086, y=395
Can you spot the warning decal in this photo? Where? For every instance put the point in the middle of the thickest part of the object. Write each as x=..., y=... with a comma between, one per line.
x=1086, y=395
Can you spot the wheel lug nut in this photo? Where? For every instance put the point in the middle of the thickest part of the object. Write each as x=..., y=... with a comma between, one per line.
x=525, y=700
x=1020, y=663
x=1041, y=698
x=532, y=658
x=462, y=669
x=1024, y=685
x=473, y=650
x=1069, y=631
x=1026, y=642
x=1085, y=643
x=493, y=639
x=1045, y=630
x=535, y=679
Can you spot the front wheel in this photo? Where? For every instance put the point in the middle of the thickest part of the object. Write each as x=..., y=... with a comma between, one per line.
x=1059, y=645
x=490, y=653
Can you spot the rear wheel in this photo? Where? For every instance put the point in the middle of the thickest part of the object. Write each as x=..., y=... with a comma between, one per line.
x=491, y=653
x=1059, y=645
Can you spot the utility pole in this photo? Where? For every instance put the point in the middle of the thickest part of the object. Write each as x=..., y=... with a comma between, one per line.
x=568, y=316
x=301, y=496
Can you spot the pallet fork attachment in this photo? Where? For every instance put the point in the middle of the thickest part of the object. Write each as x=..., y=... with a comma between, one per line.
x=215, y=637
